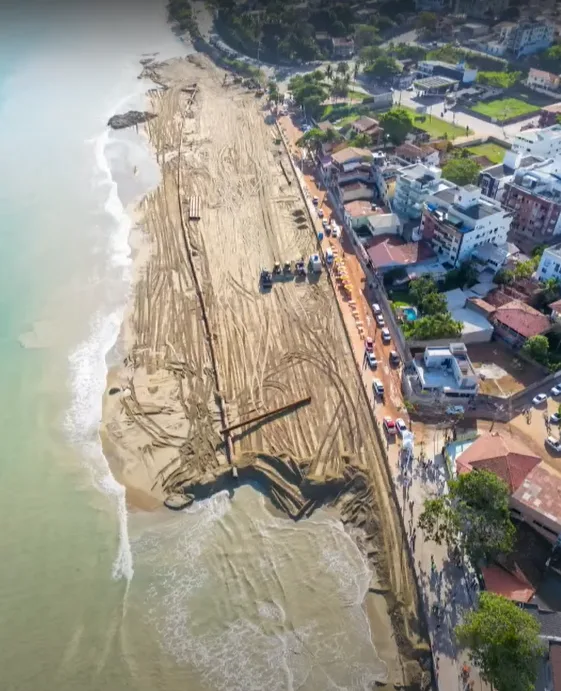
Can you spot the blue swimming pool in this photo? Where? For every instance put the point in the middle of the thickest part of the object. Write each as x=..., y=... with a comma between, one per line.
x=410, y=313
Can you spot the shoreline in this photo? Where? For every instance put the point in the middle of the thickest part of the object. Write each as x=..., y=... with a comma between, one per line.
x=160, y=415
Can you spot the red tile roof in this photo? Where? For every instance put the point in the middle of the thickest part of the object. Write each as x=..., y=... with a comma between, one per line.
x=412, y=151
x=541, y=492
x=522, y=318
x=504, y=456
x=359, y=208
x=556, y=306
x=387, y=250
x=502, y=582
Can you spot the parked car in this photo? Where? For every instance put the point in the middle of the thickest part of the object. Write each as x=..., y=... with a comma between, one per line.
x=389, y=425
x=376, y=308
x=320, y=213
x=378, y=387
x=554, y=444
x=369, y=345
x=329, y=255
x=386, y=336
x=394, y=357
x=335, y=230
x=315, y=201
x=371, y=360
x=555, y=418
x=455, y=410
x=380, y=320
x=401, y=426
x=539, y=399
x=556, y=391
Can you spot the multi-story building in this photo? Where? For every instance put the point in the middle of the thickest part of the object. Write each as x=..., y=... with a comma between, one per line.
x=414, y=184
x=457, y=220
x=526, y=36
x=545, y=143
x=549, y=115
x=492, y=180
x=550, y=264
x=446, y=371
x=437, y=68
x=534, y=198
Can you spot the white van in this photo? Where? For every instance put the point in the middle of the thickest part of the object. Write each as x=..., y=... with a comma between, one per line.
x=329, y=255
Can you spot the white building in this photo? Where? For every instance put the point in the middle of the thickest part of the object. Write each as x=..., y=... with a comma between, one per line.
x=541, y=80
x=526, y=36
x=413, y=185
x=492, y=180
x=447, y=371
x=542, y=143
x=457, y=220
x=437, y=68
x=550, y=264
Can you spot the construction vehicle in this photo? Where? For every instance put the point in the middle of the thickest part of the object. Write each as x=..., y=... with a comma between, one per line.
x=287, y=267
x=300, y=268
x=266, y=279
x=315, y=263
x=277, y=269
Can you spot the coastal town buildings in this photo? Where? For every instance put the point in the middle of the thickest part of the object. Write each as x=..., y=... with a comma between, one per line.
x=550, y=264
x=539, y=79
x=545, y=143
x=413, y=186
x=515, y=322
x=492, y=180
x=526, y=36
x=445, y=371
x=436, y=68
x=534, y=198
x=457, y=220
x=411, y=153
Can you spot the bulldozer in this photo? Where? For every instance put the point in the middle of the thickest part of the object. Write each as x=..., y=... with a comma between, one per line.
x=266, y=279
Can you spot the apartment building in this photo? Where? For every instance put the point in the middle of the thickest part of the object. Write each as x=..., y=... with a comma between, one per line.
x=539, y=79
x=492, y=180
x=526, y=37
x=534, y=199
x=550, y=264
x=414, y=184
x=544, y=143
x=457, y=220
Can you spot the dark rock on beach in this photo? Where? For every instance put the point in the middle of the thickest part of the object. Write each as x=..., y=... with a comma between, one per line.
x=130, y=119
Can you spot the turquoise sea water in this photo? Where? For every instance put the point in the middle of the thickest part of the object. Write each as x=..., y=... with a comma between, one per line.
x=92, y=596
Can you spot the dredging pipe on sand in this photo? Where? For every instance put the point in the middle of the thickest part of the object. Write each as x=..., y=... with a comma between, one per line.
x=276, y=411
x=200, y=296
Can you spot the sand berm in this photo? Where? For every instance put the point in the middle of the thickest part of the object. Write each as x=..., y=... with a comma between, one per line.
x=206, y=346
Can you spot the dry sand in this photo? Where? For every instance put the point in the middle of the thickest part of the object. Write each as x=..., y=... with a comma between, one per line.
x=162, y=412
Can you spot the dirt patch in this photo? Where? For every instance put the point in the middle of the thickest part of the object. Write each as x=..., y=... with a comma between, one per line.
x=501, y=372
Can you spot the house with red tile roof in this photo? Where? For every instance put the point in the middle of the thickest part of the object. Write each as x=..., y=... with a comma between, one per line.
x=388, y=251
x=537, y=501
x=502, y=582
x=515, y=322
x=502, y=455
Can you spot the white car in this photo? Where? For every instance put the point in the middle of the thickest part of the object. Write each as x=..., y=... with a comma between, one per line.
x=554, y=443
x=539, y=399
x=555, y=418
x=380, y=320
x=315, y=201
x=556, y=391
x=401, y=426
x=386, y=336
x=334, y=230
x=371, y=359
x=329, y=255
x=320, y=213
x=378, y=387
x=376, y=308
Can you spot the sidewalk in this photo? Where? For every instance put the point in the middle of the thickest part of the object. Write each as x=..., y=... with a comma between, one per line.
x=442, y=584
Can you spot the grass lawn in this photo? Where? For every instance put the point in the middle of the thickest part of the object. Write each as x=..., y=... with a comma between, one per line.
x=335, y=112
x=504, y=108
x=494, y=152
x=346, y=120
x=437, y=128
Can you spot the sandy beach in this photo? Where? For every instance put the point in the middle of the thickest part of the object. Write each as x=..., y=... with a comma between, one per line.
x=206, y=348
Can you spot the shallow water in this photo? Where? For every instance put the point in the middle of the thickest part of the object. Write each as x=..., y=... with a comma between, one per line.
x=223, y=596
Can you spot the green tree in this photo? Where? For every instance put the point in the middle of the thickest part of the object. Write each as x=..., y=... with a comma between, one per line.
x=329, y=72
x=433, y=303
x=366, y=35
x=419, y=287
x=537, y=347
x=312, y=139
x=551, y=289
x=397, y=124
x=343, y=68
x=461, y=171
x=473, y=515
x=504, y=277
x=432, y=327
x=369, y=54
x=501, y=80
x=503, y=641
x=273, y=91
x=384, y=67
x=525, y=269
x=427, y=21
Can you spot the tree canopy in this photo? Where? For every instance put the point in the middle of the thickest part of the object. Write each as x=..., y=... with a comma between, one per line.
x=474, y=515
x=309, y=91
x=502, y=80
x=383, y=67
x=503, y=641
x=461, y=171
x=397, y=124
x=537, y=347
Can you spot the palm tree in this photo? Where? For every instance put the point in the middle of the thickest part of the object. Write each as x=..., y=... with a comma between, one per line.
x=356, y=70
x=551, y=289
x=329, y=72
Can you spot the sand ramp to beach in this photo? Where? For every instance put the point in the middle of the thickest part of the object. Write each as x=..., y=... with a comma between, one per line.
x=163, y=413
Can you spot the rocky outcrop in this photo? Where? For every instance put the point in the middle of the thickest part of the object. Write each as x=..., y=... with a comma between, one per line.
x=130, y=119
